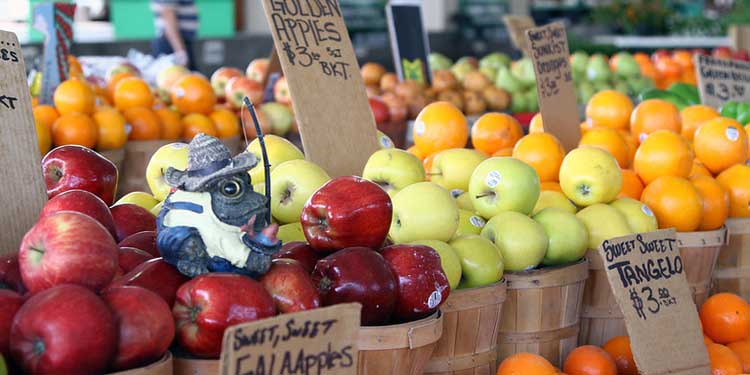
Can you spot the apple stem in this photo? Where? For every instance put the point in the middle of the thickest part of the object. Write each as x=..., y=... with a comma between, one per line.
x=433, y=174
x=56, y=173
x=38, y=347
x=194, y=311
x=484, y=195
x=324, y=285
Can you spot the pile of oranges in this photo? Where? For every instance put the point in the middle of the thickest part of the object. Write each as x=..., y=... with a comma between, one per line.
x=666, y=68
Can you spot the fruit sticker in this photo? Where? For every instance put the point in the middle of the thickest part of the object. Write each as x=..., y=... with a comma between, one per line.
x=455, y=193
x=646, y=210
x=493, y=178
x=732, y=133
x=386, y=142
x=434, y=300
x=477, y=221
x=419, y=128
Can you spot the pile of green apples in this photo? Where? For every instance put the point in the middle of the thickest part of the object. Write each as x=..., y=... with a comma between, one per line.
x=594, y=73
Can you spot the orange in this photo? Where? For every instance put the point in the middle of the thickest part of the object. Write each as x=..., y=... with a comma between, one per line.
x=670, y=70
x=543, y=152
x=649, y=70
x=74, y=95
x=495, y=131
x=720, y=143
x=742, y=350
x=526, y=364
x=114, y=80
x=46, y=114
x=193, y=93
x=585, y=126
x=699, y=170
x=144, y=124
x=440, y=126
x=609, y=140
x=415, y=151
x=111, y=126
x=610, y=109
x=675, y=202
x=723, y=360
x=692, y=117
x=707, y=340
x=171, y=123
x=632, y=145
x=508, y=151
x=725, y=318
x=74, y=129
x=663, y=153
x=536, y=125
x=683, y=57
x=736, y=181
x=715, y=202
x=132, y=92
x=589, y=360
x=632, y=186
x=619, y=348
x=551, y=185
x=427, y=163
x=195, y=123
x=43, y=136
x=652, y=115
x=642, y=58
x=226, y=122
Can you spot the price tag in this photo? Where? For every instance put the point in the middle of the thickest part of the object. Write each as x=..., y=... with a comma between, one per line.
x=22, y=186
x=548, y=47
x=647, y=277
x=517, y=26
x=409, y=42
x=55, y=21
x=721, y=80
x=320, y=341
x=330, y=103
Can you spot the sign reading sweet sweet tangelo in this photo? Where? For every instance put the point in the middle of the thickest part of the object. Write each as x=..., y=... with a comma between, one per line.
x=722, y=80
x=646, y=274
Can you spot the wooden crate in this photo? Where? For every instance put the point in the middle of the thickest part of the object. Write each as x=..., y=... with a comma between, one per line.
x=732, y=272
x=699, y=252
x=193, y=366
x=137, y=156
x=160, y=367
x=601, y=318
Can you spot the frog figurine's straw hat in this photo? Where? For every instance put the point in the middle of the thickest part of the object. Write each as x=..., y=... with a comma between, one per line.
x=208, y=159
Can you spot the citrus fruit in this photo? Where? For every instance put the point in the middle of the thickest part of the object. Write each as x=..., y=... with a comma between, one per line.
x=632, y=145
x=736, y=181
x=536, y=125
x=543, y=152
x=610, y=109
x=415, y=151
x=742, y=350
x=132, y=92
x=196, y=123
x=226, y=122
x=427, y=163
x=550, y=185
x=74, y=129
x=699, y=170
x=652, y=115
x=144, y=124
x=619, y=348
x=440, y=126
x=74, y=95
x=675, y=202
x=114, y=80
x=193, y=93
x=725, y=318
x=508, y=151
x=111, y=126
x=723, y=360
x=715, y=202
x=720, y=143
x=43, y=136
x=589, y=360
x=171, y=124
x=495, y=131
x=610, y=140
x=46, y=114
x=707, y=340
x=663, y=153
x=632, y=186
x=693, y=116
x=526, y=364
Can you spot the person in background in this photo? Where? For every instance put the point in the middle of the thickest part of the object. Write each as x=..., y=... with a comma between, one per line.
x=176, y=24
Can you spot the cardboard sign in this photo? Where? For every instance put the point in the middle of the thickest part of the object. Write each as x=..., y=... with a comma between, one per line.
x=721, y=80
x=330, y=103
x=517, y=26
x=22, y=186
x=320, y=341
x=647, y=277
x=409, y=42
x=55, y=21
x=548, y=47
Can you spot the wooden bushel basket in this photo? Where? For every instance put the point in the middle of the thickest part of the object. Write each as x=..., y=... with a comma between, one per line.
x=194, y=366
x=116, y=156
x=541, y=312
x=601, y=318
x=402, y=349
x=471, y=320
x=160, y=367
x=234, y=144
x=732, y=272
x=137, y=156
x=699, y=252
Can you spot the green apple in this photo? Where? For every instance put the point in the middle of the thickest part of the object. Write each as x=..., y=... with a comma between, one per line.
x=280, y=116
x=139, y=198
x=468, y=223
x=598, y=69
x=393, y=169
x=590, y=175
x=640, y=218
x=292, y=184
x=438, y=61
x=291, y=232
x=448, y=259
x=521, y=240
x=578, y=62
x=463, y=200
x=156, y=209
x=279, y=150
x=385, y=141
x=173, y=155
x=3, y=366
x=506, y=81
x=481, y=262
x=423, y=211
x=523, y=69
x=568, y=237
x=452, y=168
x=460, y=69
x=503, y=184
x=603, y=222
x=551, y=198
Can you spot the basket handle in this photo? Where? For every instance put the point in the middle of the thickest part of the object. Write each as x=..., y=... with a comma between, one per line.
x=425, y=333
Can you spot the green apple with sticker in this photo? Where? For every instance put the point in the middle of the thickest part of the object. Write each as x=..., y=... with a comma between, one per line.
x=501, y=184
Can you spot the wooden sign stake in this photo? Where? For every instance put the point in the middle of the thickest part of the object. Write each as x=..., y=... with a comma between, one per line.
x=55, y=21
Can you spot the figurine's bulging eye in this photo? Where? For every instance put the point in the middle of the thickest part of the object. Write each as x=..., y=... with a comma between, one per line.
x=231, y=188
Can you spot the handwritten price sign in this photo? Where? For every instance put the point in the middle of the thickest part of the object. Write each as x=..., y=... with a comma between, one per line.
x=646, y=274
x=721, y=80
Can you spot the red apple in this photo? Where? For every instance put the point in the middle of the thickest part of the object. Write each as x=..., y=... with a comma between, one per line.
x=64, y=330
x=722, y=53
x=84, y=202
x=239, y=87
x=699, y=51
x=301, y=252
x=379, y=110
x=290, y=287
x=74, y=167
x=130, y=257
x=281, y=91
x=257, y=69
x=358, y=274
x=155, y=275
x=208, y=304
x=398, y=111
x=220, y=78
x=10, y=302
x=67, y=248
x=131, y=219
x=660, y=54
x=347, y=211
x=10, y=274
x=741, y=54
x=144, y=323
x=145, y=241
x=422, y=284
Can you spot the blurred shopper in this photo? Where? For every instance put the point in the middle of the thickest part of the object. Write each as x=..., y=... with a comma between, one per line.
x=176, y=28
